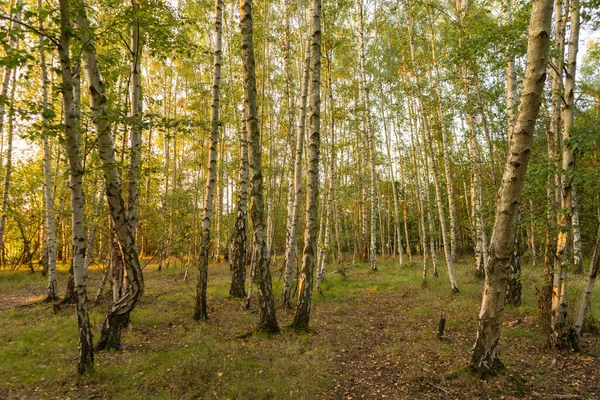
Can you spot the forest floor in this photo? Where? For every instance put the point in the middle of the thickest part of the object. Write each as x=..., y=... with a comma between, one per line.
x=373, y=336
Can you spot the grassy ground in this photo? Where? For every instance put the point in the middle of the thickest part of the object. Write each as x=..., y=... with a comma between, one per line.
x=373, y=336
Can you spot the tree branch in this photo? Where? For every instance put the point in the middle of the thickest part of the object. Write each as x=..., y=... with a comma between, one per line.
x=31, y=28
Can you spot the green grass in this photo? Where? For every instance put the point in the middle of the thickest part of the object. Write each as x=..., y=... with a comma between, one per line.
x=384, y=315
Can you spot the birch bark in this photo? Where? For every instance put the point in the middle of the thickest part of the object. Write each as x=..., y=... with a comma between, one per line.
x=260, y=256
x=118, y=313
x=484, y=358
x=86, y=351
x=296, y=186
x=303, y=306
x=47, y=165
x=200, y=312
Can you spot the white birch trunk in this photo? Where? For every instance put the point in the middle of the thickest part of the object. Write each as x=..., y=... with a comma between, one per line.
x=260, y=256
x=47, y=165
x=200, y=311
x=305, y=283
x=86, y=352
x=588, y=287
x=292, y=244
x=559, y=293
x=484, y=357
x=118, y=313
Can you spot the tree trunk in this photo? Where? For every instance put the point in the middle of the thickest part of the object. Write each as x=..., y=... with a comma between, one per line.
x=326, y=251
x=513, y=292
x=260, y=256
x=8, y=73
x=50, y=226
x=588, y=287
x=305, y=283
x=8, y=165
x=118, y=313
x=576, y=229
x=238, y=259
x=200, y=312
x=483, y=357
x=296, y=185
x=86, y=352
x=559, y=293
x=136, y=114
x=420, y=204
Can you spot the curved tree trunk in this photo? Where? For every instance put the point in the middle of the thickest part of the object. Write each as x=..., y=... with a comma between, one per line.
x=483, y=357
x=445, y=144
x=118, y=313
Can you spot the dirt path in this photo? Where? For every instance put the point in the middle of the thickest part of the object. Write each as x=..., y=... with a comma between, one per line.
x=368, y=364
x=386, y=350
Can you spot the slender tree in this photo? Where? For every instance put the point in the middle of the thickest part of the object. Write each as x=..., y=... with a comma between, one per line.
x=309, y=254
x=559, y=294
x=119, y=312
x=260, y=256
x=238, y=259
x=209, y=191
x=50, y=225
x=86, y=352
x=295, y=196
x=484, y=357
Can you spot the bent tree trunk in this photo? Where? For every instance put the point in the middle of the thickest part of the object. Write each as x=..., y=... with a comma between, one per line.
x=260, y=256
x=302, y=315
x=483, y=357
x=86, y=351
x=118, y=313
x=209, y=191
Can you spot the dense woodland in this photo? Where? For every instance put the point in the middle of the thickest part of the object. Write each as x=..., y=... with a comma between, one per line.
x=295, y=142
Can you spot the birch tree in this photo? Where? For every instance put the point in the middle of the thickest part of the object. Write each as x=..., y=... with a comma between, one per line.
x=209, y=191
x=47, y=165
x=238, y=259
x=260, y=256
x=559, y=294
x=119, y=312
x=295, y=195
x=72, y=143
x=484, y=356
x=309, y=254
